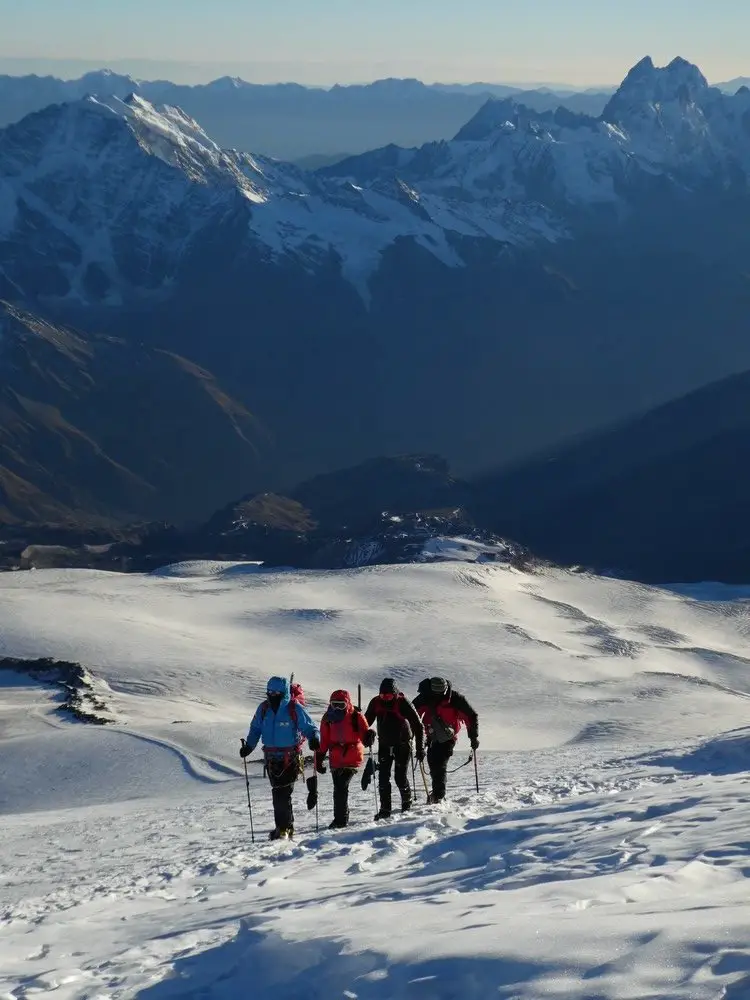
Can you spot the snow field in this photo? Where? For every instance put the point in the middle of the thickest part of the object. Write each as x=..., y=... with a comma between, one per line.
x=605, y=857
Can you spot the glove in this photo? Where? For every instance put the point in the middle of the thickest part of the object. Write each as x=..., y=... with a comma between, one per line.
x=246, y=750
x=320, y=763
x=314, y=743
x=474, y=742
x=369, y=738
x=420, y=755
x=312, y=791
x=367, y=774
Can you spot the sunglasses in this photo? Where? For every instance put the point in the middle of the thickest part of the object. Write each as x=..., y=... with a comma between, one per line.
x=338, y=704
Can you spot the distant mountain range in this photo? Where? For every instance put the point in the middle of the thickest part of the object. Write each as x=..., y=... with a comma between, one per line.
x=292, y=122
x=732, y=86
x=298, y=123
x=186, y=323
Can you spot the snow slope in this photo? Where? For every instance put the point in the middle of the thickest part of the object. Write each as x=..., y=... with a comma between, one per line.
x=606, y=855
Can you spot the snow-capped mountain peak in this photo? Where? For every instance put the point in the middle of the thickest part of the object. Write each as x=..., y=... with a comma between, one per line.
x=647, y=88
x=670, y=96
x=673, y=117
x=128, y=187
x=227, y=83
x=168, y=133
x=99, y=78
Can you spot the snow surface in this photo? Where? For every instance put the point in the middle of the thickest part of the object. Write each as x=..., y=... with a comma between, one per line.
x=463, y=550
x=606, y=855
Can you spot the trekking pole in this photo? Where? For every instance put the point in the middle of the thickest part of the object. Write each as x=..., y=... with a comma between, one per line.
x=476, y=771
x=413, y=769
x=315, y=775
x=374, y=782
x=249, y=802
x=424, y=779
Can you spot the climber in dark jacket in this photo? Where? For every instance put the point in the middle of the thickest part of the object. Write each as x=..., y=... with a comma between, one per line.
x=397, y=723
x=444, y=712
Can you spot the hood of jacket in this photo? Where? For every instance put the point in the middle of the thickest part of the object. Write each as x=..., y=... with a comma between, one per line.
x=280, y=685
x=425, y=690
x=342, y=696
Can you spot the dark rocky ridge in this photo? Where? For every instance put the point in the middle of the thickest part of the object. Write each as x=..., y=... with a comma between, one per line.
x=97, y=429
x=661, y=498
x=382, y=512
x=79, y=698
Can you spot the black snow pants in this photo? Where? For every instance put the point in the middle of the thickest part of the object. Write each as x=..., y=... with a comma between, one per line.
x=400, y=755
x=342, y=777
x=283, y=774
x=438, y=755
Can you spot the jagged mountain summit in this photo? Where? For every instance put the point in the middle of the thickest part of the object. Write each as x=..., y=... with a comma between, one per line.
x=662, y=125
x=118, y=194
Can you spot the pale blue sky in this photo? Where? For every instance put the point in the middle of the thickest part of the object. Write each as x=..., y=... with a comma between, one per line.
x=582, y=42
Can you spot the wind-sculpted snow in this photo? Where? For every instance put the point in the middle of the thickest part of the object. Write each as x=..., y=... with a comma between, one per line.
x=605, y=856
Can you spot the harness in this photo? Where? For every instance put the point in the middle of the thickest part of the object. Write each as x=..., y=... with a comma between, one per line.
x=278, y=759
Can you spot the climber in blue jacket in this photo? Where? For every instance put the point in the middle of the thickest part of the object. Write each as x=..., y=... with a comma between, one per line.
x=283, y=725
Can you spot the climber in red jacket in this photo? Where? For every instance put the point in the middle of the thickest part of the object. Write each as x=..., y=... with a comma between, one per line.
x=344, y=733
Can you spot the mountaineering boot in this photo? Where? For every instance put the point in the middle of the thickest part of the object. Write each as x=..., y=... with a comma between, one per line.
x=340, y=819
x=284, y=833
x=383, y=814
x=405, y=803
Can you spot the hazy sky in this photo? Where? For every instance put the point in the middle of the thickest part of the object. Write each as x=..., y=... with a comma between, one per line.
x=581, y=42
